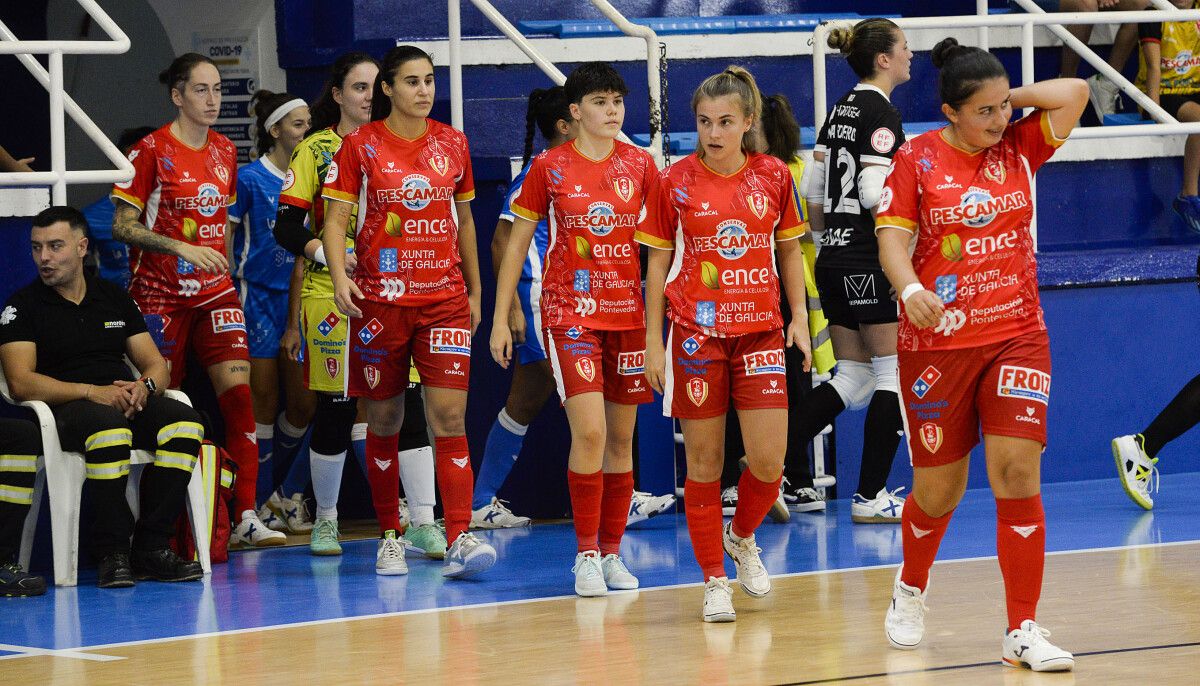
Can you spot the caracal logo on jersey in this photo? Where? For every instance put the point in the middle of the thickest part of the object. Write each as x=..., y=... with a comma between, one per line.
x=624, y=187
x=764, y=362
x=450, y=341
x=228, y=319
x=977, y=208
x=757, y=202
x=1023, y=382
x=629, y=364
x=207, y=201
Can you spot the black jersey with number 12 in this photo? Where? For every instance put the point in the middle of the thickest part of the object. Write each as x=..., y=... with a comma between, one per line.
x=863, y=129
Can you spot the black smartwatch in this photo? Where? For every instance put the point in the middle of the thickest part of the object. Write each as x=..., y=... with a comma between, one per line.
x=149, y=383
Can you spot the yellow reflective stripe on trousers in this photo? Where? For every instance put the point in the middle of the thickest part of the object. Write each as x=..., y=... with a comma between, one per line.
x=18, y=463
x=174, y=460
x=18, y=495
x=108, y=470
x=108, y=439
x=180, y=429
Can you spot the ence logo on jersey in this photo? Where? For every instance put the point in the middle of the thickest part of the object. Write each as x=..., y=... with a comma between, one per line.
x=977, y=208
x=207, y=201
x=1023, y=382
x=228, y=319
x=600, y=219
x=629, y=364
x=764, y=362
x=731, y=240
x=450, y=341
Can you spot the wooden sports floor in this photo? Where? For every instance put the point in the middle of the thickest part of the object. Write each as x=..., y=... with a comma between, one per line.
x=1130, y=613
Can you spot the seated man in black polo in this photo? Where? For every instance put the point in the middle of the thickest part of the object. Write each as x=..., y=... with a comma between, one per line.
x=63, y=340
x=20, y=444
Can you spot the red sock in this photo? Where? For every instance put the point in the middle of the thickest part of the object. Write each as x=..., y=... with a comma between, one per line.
x=238, y=412
x=614, y=511
x=702, y=503
x=922, y=538
x=587, y=492
x=755, y=498
x=455, y=482
x=383, y=475
x=1021, y=547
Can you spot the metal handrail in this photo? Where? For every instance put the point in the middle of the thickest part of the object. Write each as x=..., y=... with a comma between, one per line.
x=652, y=69
x=61, y=104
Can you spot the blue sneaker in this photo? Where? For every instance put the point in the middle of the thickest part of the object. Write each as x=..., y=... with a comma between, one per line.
x=1188, y=209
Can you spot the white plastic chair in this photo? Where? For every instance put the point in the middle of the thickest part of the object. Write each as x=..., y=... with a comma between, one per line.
x=65, y=473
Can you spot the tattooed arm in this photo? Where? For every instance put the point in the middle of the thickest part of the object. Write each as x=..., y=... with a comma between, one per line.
x=128, y=229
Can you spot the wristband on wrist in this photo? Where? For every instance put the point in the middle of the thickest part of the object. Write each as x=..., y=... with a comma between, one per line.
x=909, y=290
x=87, y=391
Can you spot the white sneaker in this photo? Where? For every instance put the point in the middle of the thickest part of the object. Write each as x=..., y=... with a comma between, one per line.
x=905, y=621
x=251, y=531
x=616, y=574
x=885, y=508
x=467, y=556
x=389, y=556
x=292, y=513
x=1103, y=95
x=589, y=576
x=1136, y=468
x=1028, y=646
x=496, y=515
x=643, y=506
x=751, y=573
x=803, y=499
x=729, y=500
x=268, y=517
x=718, y=600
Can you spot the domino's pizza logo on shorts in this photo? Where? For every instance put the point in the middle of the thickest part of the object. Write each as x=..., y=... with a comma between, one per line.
x=388, y=262
x=926, y=381
x=1025, y=383
x=328, y=323
x=692, y=344
x=706, y=313
x=228, y=319
x=583, y=280
x=574, y=333
x=629, y=364
x=764, y=362
x=450, y=341
x=370, y=331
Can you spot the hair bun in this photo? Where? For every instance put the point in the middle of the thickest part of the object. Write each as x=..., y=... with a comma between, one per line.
x=841, y=38
x=946, y=50
x=164, y=77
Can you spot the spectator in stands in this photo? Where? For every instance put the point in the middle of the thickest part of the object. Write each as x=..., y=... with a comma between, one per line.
x=8, y=163
x=64, y=339
x=1070, y=59
x=20, y=445
x=1170, y=75
x=112, y=256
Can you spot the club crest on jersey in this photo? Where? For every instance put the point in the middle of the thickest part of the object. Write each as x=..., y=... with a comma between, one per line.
x=757, y=202
x=228, y=319
x=222, y=173
x=331, y=367
x=450, y=341
x=697, y=391
x=931, y=436
x=623, y=185
x=370, y=331
x=439, y=163
x=764, y=362
x=371, y=374
x=926, y=381
x=1023, y=382
x=994, y=171
x=629, y=364
x=586, y=368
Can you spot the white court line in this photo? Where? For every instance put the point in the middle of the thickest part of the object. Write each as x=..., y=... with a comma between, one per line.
x=524, y=601
x=27, y=651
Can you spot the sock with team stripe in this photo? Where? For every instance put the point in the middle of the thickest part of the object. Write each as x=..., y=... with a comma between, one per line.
x=265, y=433
x=455, y=479
x=702, y=504
x=922, y=538
x=587, y=492
x=1021, y=548
x=383, y=474
x=755, y=498
x=238, y=412
x=500, y=453
x=614, y=510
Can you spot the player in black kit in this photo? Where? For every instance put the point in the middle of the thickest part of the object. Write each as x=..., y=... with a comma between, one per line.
x=842, y=187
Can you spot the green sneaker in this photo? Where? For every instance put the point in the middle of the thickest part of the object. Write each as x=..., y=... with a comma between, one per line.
x=324, y=540
x=428, y=539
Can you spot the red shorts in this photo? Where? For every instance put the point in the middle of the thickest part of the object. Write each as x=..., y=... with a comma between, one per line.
x=437, y=339
x=703, y=372
x=949, y=394
x=608, y=362
x=215, y=330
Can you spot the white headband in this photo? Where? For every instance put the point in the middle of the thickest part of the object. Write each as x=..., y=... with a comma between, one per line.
x=281, y=111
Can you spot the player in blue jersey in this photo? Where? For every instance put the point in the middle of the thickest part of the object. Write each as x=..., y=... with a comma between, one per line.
x=533, y=382
x=262, y=271
x=111, y=255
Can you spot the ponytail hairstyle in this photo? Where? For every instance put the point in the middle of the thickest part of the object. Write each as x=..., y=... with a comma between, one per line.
x=546, y=107
x=263, y=104
x=175, y=76
x=325, y=111
x=864, y=41
x=737, y=81
x=779, y=127
x=381, y=105
x=962, y=70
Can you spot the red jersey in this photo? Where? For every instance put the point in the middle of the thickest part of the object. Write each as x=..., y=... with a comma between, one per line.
x=184, y=194
x=971, y=213
x=591, y=275
x=407, y=237
x=724, y=281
